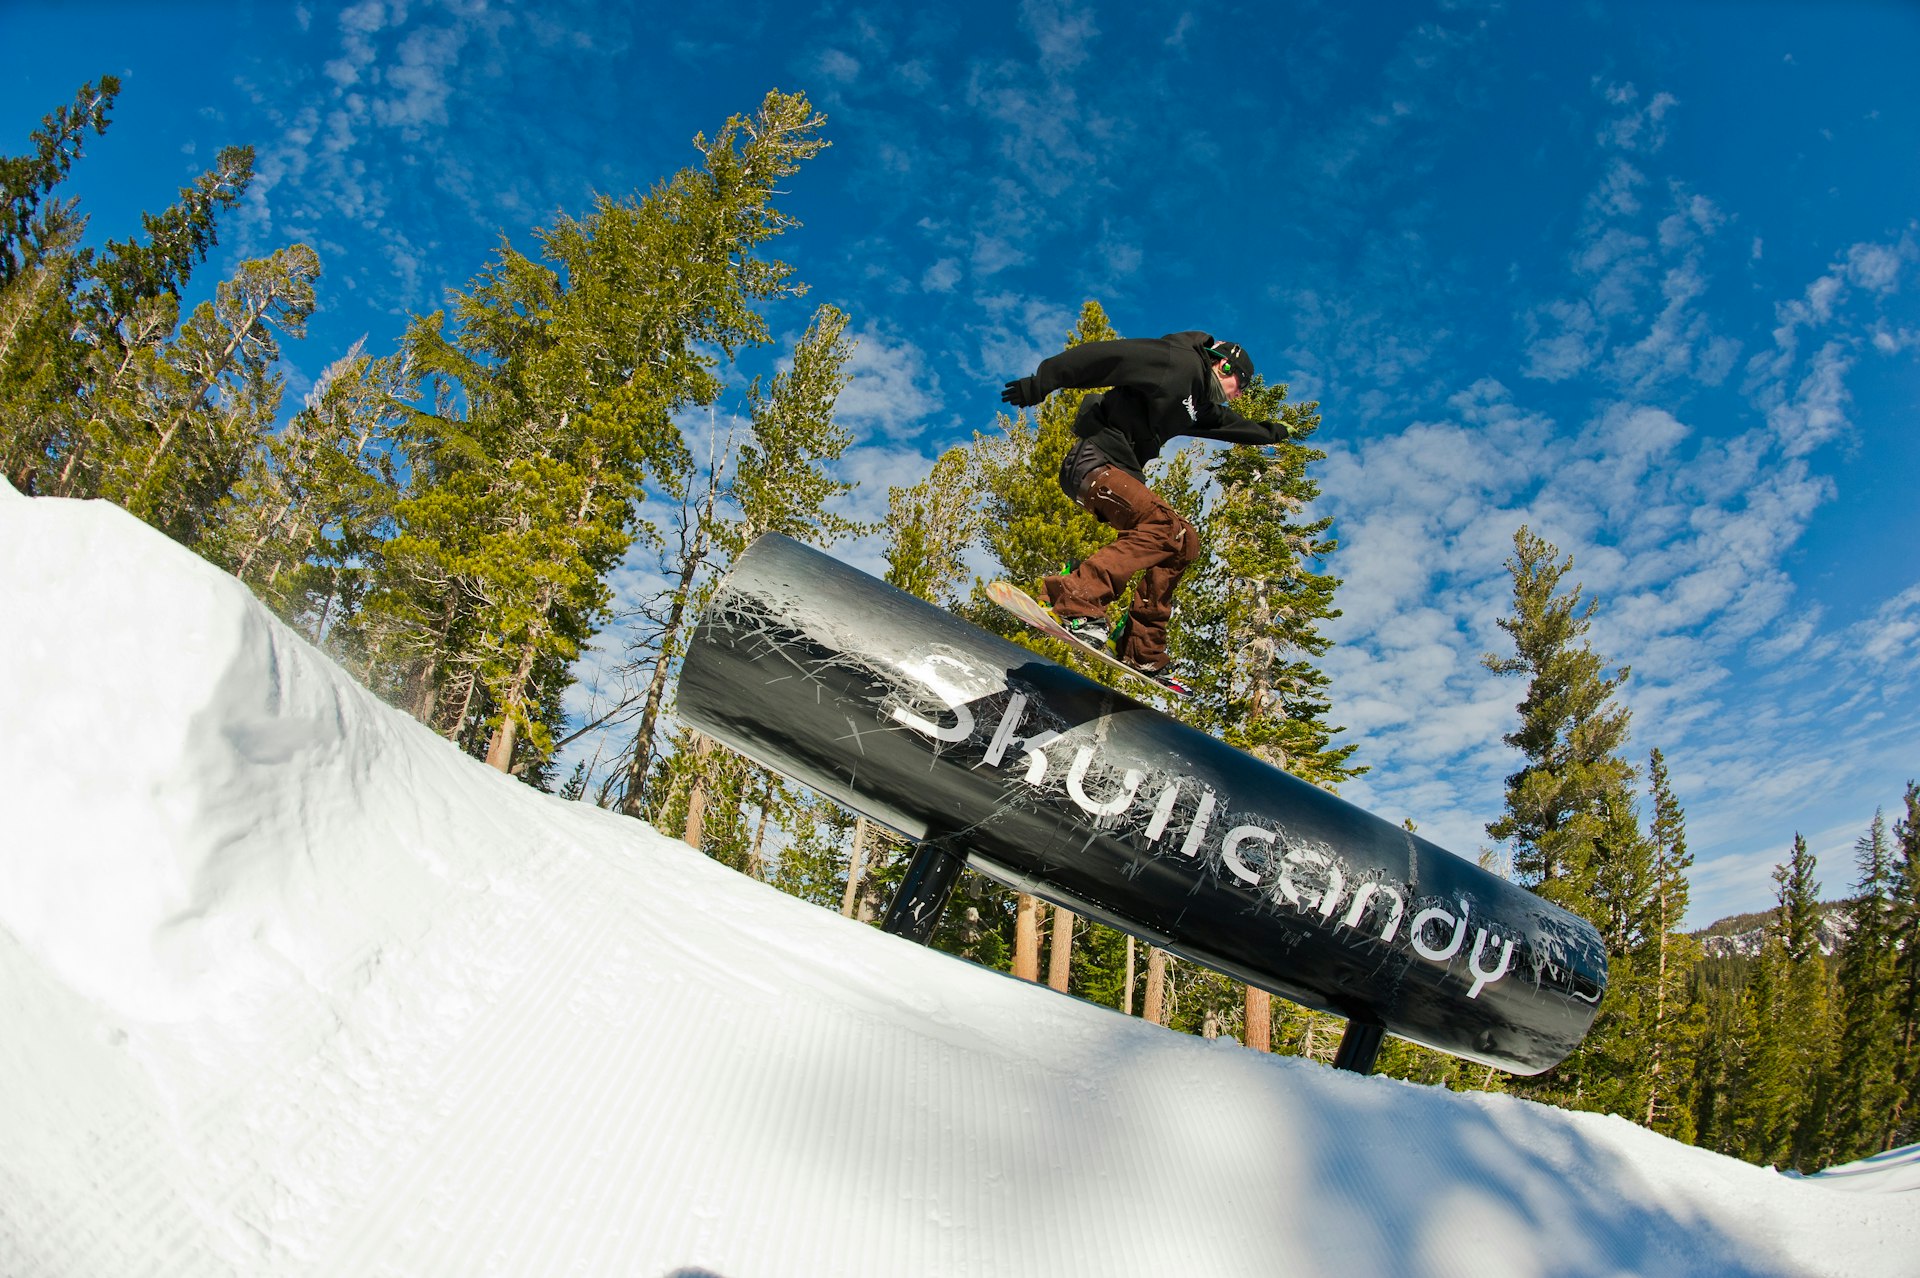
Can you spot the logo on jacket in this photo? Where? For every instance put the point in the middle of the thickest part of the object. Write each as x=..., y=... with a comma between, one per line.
x=1193, y=412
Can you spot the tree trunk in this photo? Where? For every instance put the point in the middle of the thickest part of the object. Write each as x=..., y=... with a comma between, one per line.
x=1060, y=958
x=1658, y=1027
x=1126, y=985
x=695, y=542
x=856, y=866
x=756, y=857
x=500, y=748
x=630, y=802
x=1155, y=1007
x=1026, y=939
x=427, y=696
x=1259, y=1035
x=697, y=793
x=259, y=542
x=458, y=722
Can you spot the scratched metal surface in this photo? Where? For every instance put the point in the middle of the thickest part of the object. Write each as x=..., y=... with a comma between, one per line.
x=1094, y=800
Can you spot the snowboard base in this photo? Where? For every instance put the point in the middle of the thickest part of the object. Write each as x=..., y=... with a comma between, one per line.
x=1040, y=617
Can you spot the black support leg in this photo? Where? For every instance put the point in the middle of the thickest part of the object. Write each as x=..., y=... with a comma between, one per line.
x=1359, y=1046
x=923, y=893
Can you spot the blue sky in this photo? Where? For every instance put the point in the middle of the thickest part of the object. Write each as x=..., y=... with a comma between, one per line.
x=1641, y=276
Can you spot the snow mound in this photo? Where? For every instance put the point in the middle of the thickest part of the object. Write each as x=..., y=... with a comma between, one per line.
x=294, y=987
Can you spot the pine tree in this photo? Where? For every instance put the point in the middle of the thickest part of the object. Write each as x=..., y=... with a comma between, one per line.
x=1867, y=1054
x=135, y=386
x=1804, y=1028
x=206, y=406
x=42, y=347
x=91, y=376
x=1761, y=1091
x=930, y=526
x=1570, y=813
x=657, y=647
x=1766, y=1096
x=782, y=480
x=132, y=271
x=1563, y=802
x=552, y=403
x=26, y=181
x=301, y=528
x=1903, y=1126
x=1251, y=606
x=1673, y=1020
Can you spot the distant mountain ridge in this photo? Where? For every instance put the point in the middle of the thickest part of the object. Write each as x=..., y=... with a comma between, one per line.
x=1740, y=935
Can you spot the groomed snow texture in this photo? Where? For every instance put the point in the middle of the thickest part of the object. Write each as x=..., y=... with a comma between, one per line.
x=290, y=986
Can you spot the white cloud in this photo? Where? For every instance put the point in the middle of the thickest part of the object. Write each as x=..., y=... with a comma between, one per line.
x=420, y=78
x=1563, y=340
x=1618, y=262
x=1040, y=125
x=1680, y=343
x=893, y=390
x=1016, y=333
x=1636, y=128
x=1815, y=411
x=1618, y=192
x=1889, y=641
x=1643, y=319
x=942, y=277
x=1062, y=30
x=1891, y=341
x=994, y=252
x=1875, y=267
x=837, y=65
x=358, y=24
x=1693, y=217
x=1632, y=436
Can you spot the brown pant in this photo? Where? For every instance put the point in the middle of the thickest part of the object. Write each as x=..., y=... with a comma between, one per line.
x=1154, y=541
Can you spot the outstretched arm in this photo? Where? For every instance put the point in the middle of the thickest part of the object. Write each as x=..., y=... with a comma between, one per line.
x=1119, y=362
x=1230, y=427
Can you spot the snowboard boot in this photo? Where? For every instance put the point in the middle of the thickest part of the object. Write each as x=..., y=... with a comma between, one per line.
x=1163, y=675
x=1088, y=630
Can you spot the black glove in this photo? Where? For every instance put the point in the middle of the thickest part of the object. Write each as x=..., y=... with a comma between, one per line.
x=1022, y=392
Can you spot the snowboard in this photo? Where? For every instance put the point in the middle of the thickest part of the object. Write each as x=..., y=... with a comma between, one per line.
x=1037, y=615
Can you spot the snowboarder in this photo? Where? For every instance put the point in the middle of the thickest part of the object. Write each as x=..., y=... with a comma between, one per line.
x=1160, y=387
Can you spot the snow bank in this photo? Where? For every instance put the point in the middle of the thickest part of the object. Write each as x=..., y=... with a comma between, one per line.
x=292, y=986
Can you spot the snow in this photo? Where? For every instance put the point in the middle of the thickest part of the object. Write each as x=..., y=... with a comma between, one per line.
x=291, y=986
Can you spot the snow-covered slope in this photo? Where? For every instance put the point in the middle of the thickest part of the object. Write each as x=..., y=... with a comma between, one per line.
x=290, y=986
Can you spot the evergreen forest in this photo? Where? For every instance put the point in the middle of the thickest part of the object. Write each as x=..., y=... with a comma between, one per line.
x=539, y=466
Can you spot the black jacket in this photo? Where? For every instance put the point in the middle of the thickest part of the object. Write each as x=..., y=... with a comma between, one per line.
x=1161, y=387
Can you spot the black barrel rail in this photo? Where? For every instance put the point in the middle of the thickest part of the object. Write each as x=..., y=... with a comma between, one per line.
x=995, y=757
